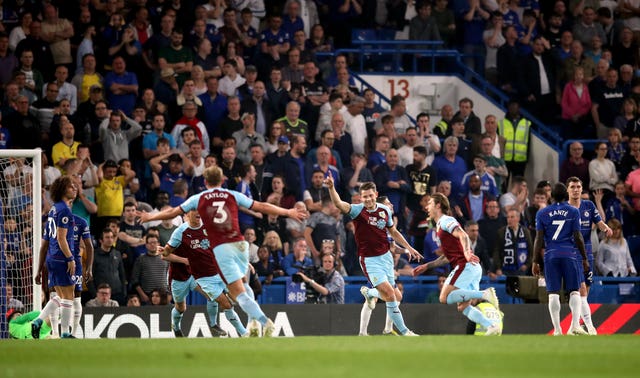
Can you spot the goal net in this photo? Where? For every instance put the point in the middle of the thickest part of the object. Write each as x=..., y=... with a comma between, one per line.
x=21, y=230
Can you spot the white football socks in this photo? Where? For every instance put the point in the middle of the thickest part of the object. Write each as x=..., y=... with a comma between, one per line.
x=554, y=311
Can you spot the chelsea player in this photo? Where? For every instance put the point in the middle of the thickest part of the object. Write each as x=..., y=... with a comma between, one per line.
x=588, y=215
x=558, y=232
x=60, y=259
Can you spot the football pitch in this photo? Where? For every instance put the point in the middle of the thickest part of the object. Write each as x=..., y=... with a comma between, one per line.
x=328, y=357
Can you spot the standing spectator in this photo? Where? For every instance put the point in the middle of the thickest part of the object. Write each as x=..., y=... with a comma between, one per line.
x=23, y=127
x=625, y=50
x=491, y=222
x=159, y=40
x=292, y=122
x=57, y=32
x=87, y=78
x=423, y=27
x=103, y=298
x=32, y=76
x=422, y=176
x=442, y=129
x=110, y=192
x=401, y=121
x=247, y=218
x=274, y=40
x=258, y=103
x=474, y=200
x=176, y=56
x=315, y=192
x=450, y=166
x=602, y=171
x=293, y=72
x=150, y=271
x=493, y=39
x=392, y=181
x=478, y=245
x=122, y=87
x=189, y=119
x=537, y=81
x=507, y=61
x=511, y=255
x=323, y=158
x=516, y=131
x=66, y=91
x=115, y=140
x=230, y=123
x=472, y=124
x=576, y=107
x=247, y=137
x=356, y=174
x=631, y=160
x=39, y=46
x=445, y=20
x=517, y=197
x=322, y=225
x=67, y=148
x=8, y=61
x=20, y=31
x=576, y=165
x=108, y=267
x=585, y=28
x=232, y=80
x=214, y=106
x=607, y=103
x=614, y=259
x=473, y=24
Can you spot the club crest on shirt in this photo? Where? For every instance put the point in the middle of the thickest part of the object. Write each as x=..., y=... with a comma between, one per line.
x=586, y=213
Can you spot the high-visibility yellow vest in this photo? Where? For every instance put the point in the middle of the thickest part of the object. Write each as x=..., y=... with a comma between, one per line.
x=517, y=140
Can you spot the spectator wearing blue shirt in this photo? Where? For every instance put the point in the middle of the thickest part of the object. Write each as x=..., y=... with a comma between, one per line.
x=295, y=262
x=450, y=167
x=121, y=87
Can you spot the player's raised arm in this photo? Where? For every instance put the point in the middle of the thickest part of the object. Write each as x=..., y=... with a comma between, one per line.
x=164, y=214
x=344, y=207
x=267, y=208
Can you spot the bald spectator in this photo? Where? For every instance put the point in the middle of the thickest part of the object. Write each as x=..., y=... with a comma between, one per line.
x=323, y=157
x=292, y=122
x=442, y=129
x=576, y=165
x=247, y=137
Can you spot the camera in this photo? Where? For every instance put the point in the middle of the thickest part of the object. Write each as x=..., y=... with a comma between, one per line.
x=313, y=273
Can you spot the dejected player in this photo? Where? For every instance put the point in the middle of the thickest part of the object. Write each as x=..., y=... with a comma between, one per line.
x=558, y=232
x=463, y=283
x=219, y=208
x=588, y=215
x=60, y=260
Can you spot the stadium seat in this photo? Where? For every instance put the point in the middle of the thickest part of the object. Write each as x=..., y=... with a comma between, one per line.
x=634, y=247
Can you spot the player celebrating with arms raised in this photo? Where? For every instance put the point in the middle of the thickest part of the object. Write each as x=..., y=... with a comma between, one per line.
x=558, y=232
x=371, y=221
x=218, y=208
x=463, y=283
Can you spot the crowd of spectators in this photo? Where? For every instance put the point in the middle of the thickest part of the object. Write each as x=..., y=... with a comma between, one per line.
x=135, y=99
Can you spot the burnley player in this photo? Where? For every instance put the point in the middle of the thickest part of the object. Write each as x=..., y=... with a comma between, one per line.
x=192, y=268
x=60, y=261
x=588, y=215
x=372, y=220
x=558, y=232
x=463, y=283
x=218, y=208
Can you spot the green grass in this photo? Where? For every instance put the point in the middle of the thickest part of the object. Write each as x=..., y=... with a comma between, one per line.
x=327, y=357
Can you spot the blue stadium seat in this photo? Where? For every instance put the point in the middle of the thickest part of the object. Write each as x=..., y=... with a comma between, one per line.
x=634, y=248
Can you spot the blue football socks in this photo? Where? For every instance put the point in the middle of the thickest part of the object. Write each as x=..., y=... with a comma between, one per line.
x=176, y=319
x=251, y=307
x=476, y=316
x=233, y=318
x=394, y=313
x=212, y=310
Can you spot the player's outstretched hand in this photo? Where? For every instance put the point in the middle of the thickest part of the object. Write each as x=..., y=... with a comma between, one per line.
x=418, y=270
x=297, y=213
x=328, y=181
x=413, y=254
x=143, y=216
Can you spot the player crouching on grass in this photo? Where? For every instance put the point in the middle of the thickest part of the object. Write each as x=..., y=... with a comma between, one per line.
x=463, y=283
